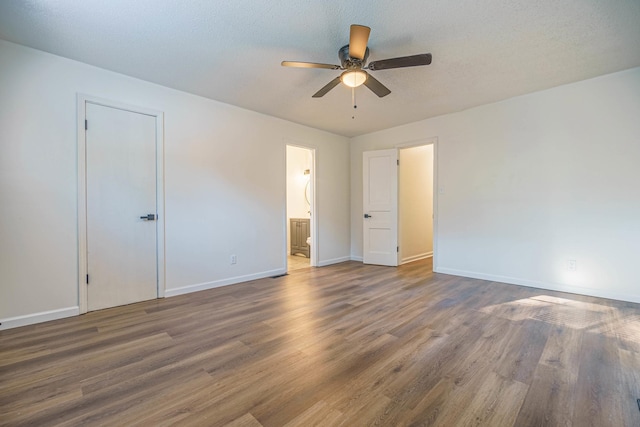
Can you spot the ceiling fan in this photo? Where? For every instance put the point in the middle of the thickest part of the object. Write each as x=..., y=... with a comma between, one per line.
x=353, y=59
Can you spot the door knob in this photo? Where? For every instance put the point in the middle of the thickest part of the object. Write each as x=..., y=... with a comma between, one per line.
x=367, y=216
x=149, y=217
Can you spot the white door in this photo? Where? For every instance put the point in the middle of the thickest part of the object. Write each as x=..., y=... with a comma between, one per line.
x=121, y=189
x=380, y=207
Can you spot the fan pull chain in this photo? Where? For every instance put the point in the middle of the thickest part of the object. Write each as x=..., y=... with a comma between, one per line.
x=353, y=100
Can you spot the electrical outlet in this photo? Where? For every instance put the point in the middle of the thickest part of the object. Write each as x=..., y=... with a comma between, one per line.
x=572, y=265
x=234, y=259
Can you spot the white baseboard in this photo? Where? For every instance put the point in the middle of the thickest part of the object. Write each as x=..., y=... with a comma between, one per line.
x=44, y=316
x=333, y=261
x=416, y=257
x=356, y=258
x=223, y=282
x=600, y=293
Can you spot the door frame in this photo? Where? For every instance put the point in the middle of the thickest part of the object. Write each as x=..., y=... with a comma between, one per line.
x=313, y=259
x=82, y=101
x=417, y=143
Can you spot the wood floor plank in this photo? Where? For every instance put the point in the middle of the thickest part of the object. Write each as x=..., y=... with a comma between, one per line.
x=343, y=345
x=562, y=350
x=630, y=387
x=496, y=402
x=598, y=398
x=434, y=405
x=67, y=373
x=358, y=389
x=520, y=359
x=321, y=384
x=318, y=415
x=550, y=399
x=247, y=420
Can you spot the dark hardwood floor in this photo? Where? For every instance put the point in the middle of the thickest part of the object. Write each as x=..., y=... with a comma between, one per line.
x=341, y=345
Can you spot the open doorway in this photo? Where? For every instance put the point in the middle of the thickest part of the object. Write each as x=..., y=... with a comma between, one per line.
x=300, y=218
x=399, y=204
x=415, y=203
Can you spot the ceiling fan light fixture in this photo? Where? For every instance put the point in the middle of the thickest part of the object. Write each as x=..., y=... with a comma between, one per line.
x=353, y=60
x=353, y=78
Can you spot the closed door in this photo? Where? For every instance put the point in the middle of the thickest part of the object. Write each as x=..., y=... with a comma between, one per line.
x=121, y=207
x=380, y=206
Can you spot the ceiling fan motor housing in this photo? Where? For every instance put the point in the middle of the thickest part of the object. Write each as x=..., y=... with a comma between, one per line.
x=348, y=62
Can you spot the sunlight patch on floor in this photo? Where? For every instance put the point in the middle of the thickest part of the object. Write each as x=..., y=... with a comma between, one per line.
x=570, y=313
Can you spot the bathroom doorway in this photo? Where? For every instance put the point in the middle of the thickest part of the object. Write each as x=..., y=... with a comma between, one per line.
x=300, y=224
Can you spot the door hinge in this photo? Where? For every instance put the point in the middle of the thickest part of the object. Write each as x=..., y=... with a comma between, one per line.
x=398, y=249
x=87, y=279
x=398, y=162
x=86, y=124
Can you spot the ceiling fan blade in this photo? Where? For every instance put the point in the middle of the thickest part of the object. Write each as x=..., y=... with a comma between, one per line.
x=298, y=64
x=358, y=41
x=376, y=87
x=404, y=61
x=322, y=92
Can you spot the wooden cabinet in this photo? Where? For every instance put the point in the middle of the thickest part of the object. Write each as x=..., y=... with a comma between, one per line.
x=300, y=230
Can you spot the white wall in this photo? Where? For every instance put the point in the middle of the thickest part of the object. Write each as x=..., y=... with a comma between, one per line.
x=415, y=203
x=298, y=160
x=529, y=183
x=224, y=183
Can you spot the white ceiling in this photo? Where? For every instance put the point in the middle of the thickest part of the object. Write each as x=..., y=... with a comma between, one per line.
x=230, y=51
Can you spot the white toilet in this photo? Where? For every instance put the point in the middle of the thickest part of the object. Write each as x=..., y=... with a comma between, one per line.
x=309, y=241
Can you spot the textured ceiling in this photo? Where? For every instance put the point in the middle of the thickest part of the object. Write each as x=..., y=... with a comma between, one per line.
x=230, y=51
